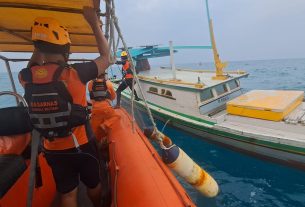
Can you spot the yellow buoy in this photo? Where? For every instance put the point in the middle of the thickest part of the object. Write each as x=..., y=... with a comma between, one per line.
x=176, y=159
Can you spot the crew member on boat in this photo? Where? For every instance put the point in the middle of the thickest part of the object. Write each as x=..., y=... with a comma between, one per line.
x=103, y=115
x=56, y=94
x=126, y=80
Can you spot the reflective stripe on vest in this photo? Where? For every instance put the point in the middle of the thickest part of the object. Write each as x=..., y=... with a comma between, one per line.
x=99, y=90
x=98, y=94
x=52, y=119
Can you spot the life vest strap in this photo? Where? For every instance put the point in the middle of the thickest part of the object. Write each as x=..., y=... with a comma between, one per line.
x=59, y=70
x=99, y=93
x=51, y=119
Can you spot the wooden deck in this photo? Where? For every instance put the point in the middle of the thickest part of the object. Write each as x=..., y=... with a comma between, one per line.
x=277, y=132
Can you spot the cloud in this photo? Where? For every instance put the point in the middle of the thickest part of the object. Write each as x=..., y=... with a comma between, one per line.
x=244, y=29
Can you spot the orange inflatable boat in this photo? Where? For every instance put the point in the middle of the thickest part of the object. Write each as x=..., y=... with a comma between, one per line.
x=15, y=136
x=43, y=196
x=138, y=175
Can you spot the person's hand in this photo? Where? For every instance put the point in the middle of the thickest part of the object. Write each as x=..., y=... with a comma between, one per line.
x=91, y=16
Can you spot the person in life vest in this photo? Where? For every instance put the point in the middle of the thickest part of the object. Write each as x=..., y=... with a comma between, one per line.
x=103, y=115
x=126, y=80
x=56, y=95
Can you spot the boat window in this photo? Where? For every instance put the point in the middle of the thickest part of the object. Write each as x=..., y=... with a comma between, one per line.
x=221, y=89
x=233, y=84
x=162, y=91
x=206, y=95
x=153, y=90
x=168, y=93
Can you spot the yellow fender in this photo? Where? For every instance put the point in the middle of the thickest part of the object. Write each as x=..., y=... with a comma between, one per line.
x=176, y=159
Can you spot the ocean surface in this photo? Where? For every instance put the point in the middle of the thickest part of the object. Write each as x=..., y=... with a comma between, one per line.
x=244, y=181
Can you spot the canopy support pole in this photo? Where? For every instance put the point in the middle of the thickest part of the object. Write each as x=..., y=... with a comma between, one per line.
x=34, y=157
x=15, y=34
x=9, y=71
x=107, y=24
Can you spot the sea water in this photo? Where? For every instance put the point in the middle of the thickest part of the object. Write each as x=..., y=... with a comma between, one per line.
x=244, y=181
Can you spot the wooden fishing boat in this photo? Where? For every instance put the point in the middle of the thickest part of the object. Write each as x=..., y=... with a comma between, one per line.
x=213, y=105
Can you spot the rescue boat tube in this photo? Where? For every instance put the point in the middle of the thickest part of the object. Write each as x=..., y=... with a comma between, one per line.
x=14, y=144
x=176, y=159
x=43, y=196
x=138, y=175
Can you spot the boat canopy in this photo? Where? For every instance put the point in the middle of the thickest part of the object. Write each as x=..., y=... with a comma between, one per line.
x=17, y=17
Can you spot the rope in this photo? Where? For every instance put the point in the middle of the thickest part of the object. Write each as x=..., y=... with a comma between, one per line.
x=115, y=21
x=117, y=44
x=111, y=42
x=138, y=112
x=111, y=71
x=165, y=125
x=107, y=25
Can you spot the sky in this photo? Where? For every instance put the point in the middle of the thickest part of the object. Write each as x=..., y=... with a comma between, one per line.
x=244, y=29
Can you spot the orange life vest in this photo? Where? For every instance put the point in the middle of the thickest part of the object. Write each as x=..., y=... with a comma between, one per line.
x=52, y=110
x=99, y=90
x=127, y=72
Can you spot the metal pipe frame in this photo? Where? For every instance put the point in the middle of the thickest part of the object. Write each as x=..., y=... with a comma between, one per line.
x=27, y=59
x=9, y=71
x=16, y=95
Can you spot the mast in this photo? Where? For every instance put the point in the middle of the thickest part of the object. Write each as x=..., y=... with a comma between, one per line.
x=218, y=64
